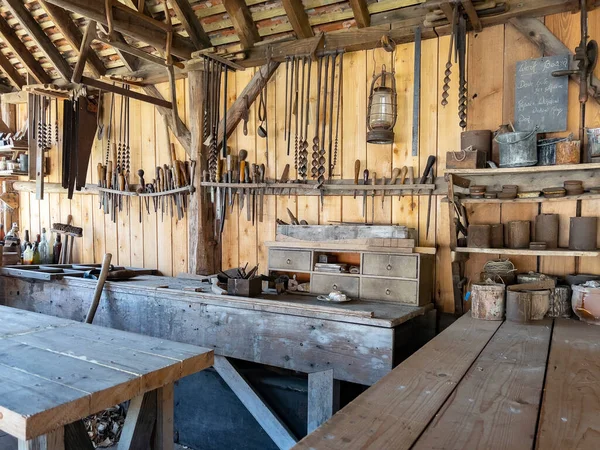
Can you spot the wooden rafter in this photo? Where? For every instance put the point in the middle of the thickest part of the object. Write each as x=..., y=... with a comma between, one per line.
x=130, y=62
x=242, y=22
x=11, y=72
x=72, y=34
x=84, y=51
x=191, y=23
x=472, y=14
x=294, y=9
x=22, y=53
x=127, y=21
x=361, y=13
x=398, y=27
x=22, y=14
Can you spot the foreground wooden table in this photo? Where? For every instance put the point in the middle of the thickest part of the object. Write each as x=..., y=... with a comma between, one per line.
x=481, y=384
x=54, y=372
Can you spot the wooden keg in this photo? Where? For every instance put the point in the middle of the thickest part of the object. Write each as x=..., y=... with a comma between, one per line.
x=478, y=236
x=487, y=301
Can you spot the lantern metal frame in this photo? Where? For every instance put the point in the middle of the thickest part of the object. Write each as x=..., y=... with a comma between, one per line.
x=384, y=135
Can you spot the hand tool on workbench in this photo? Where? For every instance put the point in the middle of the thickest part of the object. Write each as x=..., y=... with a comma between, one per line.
x=304, y=152
x=448, y=70
x=337, y=119
x=261, y=179
x=229, y=180
x=382, y=191
x=394, y=177
x=365, y=182
x=426, y=173
x=89, y=318
x=287, y=72
x=296, y=114
x=300, y=118
x=403, y=173
x=356, y=173
x=293, y=218
x=243, y=154
x=291, y=105
x=245, y=115
x=373, y=182
x=262, y=117
x=140, y=189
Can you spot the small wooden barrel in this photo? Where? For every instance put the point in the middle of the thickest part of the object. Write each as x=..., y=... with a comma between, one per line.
x=560, y=302
x=487, y=301
x=519, y=234
x=478, y=236
x=546, y=229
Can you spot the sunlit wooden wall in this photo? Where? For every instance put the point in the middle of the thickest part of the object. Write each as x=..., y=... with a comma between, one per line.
x=492, y=55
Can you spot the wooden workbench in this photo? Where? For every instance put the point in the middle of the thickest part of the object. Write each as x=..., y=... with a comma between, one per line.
x=481, y=384
x=292, y=332
x=54, y=372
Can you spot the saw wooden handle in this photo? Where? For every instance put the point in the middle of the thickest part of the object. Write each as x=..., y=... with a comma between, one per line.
x=395, y=174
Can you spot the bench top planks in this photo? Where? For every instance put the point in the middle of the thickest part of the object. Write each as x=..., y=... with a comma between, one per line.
x=396, y=410
x=570, y=413
x=55, y=371
x=496, y=403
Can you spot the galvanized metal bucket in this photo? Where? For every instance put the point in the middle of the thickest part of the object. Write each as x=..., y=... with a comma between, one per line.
x=518, y=149
x=547, y=151
x=593, y=135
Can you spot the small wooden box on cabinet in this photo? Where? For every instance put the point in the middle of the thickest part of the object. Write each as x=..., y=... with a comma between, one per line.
x=384, y=275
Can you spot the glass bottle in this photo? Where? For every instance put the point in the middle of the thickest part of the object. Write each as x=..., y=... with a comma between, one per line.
x=14, y=231
x=28, y=254
x=45, y=249
x=57, y=249
x=25, y=242
x=37, y=259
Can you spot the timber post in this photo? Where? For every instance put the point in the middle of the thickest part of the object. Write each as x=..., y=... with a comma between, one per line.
x=204, y=251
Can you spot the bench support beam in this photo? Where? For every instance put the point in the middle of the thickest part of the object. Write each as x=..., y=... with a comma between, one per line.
x=323, y=398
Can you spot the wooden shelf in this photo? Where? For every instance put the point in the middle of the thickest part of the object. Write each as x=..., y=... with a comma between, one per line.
x=531, y=169
x=527, y=252
x=531, y=199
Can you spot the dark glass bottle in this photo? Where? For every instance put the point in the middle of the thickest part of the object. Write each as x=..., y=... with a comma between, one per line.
x=57, y=249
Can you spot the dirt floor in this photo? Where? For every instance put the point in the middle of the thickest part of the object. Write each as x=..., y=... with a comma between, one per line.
x=8, y=442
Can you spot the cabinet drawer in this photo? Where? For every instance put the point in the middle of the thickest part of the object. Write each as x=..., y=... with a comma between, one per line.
x=404, y=266
x=401, y=291
x=324, y=284
x=289, y=260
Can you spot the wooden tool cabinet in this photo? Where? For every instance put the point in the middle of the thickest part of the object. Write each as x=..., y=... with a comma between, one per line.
x=385, y=274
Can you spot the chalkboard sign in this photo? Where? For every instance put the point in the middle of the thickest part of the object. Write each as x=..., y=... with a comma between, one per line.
x=540, y=98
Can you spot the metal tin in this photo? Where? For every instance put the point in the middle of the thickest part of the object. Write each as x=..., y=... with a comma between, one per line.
x=583, y=233
x=533, y=277
x=547, y=151
x=546, y=229
x=593, y=135
x=487, y=301
x=537, y=246
x=525, y=306
x=497, y=235
x=478, y=236
x=568, y=152
x=554, y=192
x=519, y=233
x=477, y=140
x=540, y=303
x=517, y=149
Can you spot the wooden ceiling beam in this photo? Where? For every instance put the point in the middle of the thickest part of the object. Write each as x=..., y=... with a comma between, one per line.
x=294, y=9
x=11, y=72
x=242, y=21
x=400, y=28
x=84, y=51
x=361, y=13
x=22, y=53
x=22, y=14
x=191, y=23
x=63, y=21
x=127, y=21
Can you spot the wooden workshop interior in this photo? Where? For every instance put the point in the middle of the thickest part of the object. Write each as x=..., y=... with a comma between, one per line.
x=310, y=224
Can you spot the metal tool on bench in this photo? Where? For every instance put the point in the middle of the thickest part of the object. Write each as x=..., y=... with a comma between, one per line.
x=428, y=172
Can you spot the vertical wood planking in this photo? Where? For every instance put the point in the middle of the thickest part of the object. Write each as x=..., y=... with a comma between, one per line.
x=149, y=162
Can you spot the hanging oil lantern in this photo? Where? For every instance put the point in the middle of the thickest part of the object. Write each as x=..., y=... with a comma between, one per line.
x=383, y=108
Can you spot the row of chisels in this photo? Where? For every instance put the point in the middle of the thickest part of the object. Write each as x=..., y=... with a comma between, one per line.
x=167, y=192
x=236, y=170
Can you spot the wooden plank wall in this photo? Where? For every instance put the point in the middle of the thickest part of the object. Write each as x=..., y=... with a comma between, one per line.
x=492, y=55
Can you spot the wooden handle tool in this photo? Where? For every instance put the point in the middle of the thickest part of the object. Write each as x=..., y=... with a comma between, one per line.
x=365, y=182
x=356, y=173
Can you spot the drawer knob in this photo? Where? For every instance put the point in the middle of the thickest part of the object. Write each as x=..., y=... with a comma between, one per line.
x=288, y=261
x=388, y=292
x=334, y=287
x=389, y=267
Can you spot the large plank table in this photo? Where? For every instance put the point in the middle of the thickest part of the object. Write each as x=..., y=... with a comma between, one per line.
x=360, y=341
x=481, y=384
x=55, y=372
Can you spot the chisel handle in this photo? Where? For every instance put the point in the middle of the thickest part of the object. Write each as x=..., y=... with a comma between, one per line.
x=428, y=167
x=141, y=176
x=366, y=177
x=411, y=175
x=403, y=174
x=242, y=171
x=99, y=170
x=395, y=174
x=261, y=173
x=373, y=180
x=109, y=174
x=356, y=170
